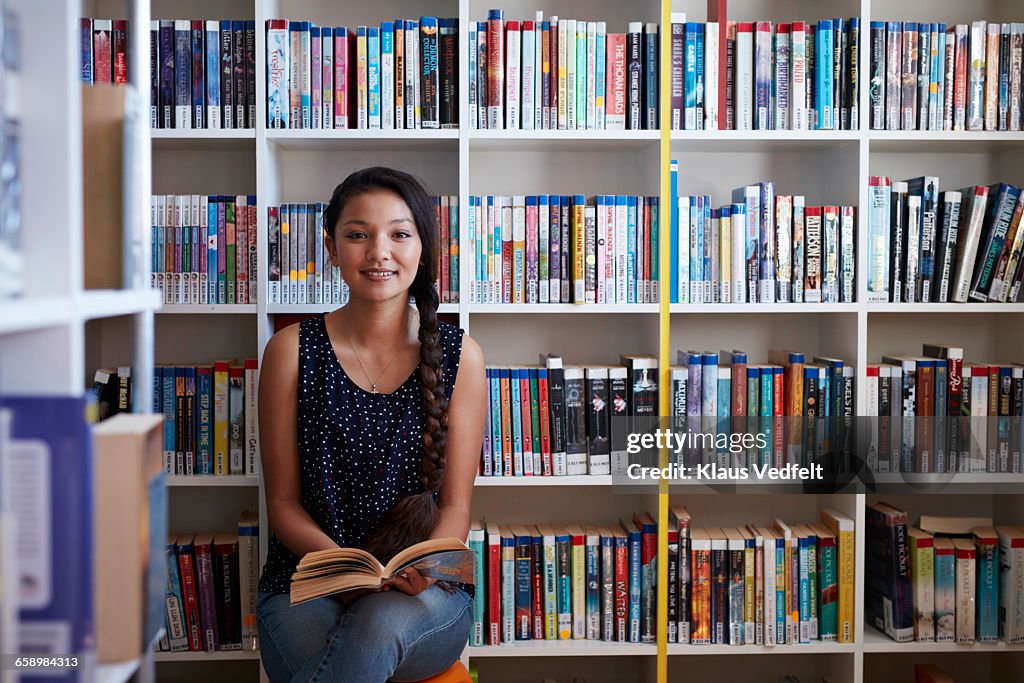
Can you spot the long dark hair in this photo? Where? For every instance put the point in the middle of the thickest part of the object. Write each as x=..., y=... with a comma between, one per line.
x=414, y=517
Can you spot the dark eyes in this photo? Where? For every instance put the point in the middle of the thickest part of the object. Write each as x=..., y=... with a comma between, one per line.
x=358, y=235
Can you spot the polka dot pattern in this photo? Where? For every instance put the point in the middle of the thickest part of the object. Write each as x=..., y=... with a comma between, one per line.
x=359, y=452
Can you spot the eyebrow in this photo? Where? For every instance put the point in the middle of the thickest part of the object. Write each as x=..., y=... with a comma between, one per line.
x=359, y=221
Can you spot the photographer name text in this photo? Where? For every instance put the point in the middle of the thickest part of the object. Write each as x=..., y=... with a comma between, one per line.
x=714, y=472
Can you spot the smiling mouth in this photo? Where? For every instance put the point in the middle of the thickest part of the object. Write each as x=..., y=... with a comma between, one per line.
x=378, y=275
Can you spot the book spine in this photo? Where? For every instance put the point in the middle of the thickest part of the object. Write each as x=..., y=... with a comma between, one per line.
x=945, y=594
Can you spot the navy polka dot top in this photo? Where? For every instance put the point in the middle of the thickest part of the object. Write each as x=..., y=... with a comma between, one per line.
x=359, y=453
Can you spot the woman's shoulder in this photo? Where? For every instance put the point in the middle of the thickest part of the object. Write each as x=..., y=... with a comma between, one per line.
x=455, y=341
x=285, y=339
x=449, y=332
x=460, y=348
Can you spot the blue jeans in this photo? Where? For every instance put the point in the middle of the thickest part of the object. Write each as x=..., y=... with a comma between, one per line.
x=379, y=637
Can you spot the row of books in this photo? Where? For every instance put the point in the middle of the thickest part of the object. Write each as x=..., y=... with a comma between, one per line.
x=104, y=50
x=763, y=76
x=712, y=389
x=202, y=73
x=755, y=585
x=949, y=579
x=563, y=249
x=12, y=267
x=762, y=248
x=212, y=584
x=562, y=74
x=965, y=417
x=774, y=584
x=300, y=269
x=925, y=245
x=401, y=74
x=564, y=582
x=204, y=248
x=927, y=76
x=555, y=420
x=210, y=416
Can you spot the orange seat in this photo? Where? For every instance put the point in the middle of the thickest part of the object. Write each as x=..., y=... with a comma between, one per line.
x=456, y=673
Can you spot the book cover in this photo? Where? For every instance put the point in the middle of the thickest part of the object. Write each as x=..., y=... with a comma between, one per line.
x=48, y=476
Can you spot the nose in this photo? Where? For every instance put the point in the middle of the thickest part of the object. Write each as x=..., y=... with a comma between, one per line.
x=378, y=248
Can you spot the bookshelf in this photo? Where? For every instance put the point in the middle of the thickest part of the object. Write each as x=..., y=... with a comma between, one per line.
x=828, y=166
x=44, y=333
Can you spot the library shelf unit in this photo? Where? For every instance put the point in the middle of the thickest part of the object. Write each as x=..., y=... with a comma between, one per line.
x=827, y=166
x=43, y=333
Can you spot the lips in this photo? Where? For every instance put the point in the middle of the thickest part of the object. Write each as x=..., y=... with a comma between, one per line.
x=378, y=275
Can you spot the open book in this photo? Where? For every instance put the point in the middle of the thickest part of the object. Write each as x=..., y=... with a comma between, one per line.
x=325, y=572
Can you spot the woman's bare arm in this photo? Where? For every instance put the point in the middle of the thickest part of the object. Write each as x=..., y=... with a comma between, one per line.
x=278, y=411
x=467, y=418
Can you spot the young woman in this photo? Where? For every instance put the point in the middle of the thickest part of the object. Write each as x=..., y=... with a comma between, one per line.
x=371, y=422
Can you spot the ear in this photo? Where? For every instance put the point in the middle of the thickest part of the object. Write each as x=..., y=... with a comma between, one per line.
x=331, y=249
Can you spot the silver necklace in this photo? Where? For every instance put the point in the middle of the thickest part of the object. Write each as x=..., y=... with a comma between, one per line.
x=373, y=382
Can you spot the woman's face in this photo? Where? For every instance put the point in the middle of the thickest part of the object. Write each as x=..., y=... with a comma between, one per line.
x=376, y=246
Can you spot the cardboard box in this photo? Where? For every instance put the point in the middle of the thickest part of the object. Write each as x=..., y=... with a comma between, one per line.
x=103, y=116
x=130, y=529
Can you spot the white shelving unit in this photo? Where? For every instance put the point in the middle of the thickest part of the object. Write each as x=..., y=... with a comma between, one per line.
x=43, y=334
x=828, y=167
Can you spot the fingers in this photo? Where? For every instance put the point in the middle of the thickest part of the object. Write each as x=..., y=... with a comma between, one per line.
x=410, y=581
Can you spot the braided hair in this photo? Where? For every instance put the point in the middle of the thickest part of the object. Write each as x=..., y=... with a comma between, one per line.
x=414, y=517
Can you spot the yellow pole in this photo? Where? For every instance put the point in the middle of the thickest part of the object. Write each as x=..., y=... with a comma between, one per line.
x=664, y=277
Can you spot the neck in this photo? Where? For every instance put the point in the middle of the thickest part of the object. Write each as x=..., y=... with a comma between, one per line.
x=377, y=324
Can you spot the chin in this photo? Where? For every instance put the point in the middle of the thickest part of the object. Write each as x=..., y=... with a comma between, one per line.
x=379, y=291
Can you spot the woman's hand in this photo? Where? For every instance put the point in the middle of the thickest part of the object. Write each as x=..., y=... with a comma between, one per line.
x=410, y=582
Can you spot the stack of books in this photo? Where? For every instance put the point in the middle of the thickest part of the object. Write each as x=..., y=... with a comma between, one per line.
x=212, y=582
x=562, y=74
x=202, y=74
x=930, y=76
x=554, y=419
x=764, y=247
x=761, y=584
x=724, y=395
x=937, y=413
x=104, y=50
x=204, y=248
x=564, y=582
x=729, y=75
x=563, y=249
x=949, y=579
x=929, y=246
x=401, y=74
